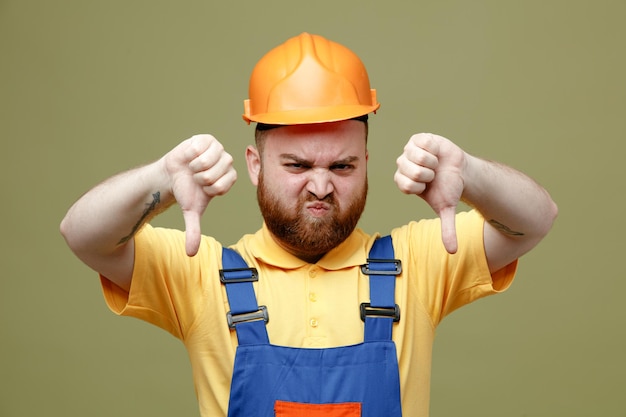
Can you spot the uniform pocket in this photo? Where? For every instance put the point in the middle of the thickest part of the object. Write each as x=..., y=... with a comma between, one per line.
x=291, y=409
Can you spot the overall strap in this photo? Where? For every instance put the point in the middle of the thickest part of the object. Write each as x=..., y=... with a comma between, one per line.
x=245, y=315
x=382, y=311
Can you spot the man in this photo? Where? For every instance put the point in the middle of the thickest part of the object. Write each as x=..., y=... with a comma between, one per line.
x=310, y=98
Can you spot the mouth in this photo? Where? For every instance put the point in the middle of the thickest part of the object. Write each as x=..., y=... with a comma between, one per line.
x=318, y=208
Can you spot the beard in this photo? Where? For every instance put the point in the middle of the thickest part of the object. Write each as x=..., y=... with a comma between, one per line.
x=306, y=236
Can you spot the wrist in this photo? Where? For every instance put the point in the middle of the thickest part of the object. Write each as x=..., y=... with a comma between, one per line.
x=471, y=166
x=161, y=181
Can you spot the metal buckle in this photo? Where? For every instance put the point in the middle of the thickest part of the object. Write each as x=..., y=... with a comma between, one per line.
x=396, y=262
x=260, y=314
x=253, y=276
x=391, y=312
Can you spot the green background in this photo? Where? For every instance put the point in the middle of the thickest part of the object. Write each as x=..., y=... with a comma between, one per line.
x=90, y=88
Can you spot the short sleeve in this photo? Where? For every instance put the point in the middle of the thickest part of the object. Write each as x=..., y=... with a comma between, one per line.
x=168, y=288
x=444, y=282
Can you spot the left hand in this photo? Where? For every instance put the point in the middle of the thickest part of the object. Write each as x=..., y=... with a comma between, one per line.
x=431, y=167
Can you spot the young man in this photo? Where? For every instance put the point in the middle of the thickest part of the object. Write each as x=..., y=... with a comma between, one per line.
x=316, y=344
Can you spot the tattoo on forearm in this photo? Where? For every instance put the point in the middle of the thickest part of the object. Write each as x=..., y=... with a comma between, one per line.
x=504, y=229
x=156, y=199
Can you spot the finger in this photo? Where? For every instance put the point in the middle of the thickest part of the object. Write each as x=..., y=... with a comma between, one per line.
x=222, y=185
x=414, y=171
x=206, y=155
x=407, y=185
x=447, y=215
x=192, y=231
x=196, y=145
x=426, y=142
x=212, y=174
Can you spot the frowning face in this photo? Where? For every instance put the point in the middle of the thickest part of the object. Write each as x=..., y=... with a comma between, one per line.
x=312, y=184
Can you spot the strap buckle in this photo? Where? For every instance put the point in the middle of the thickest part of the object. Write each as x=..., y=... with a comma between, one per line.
x=237, y=275
x=397, y=267
x=391, y=312
x=260, y=314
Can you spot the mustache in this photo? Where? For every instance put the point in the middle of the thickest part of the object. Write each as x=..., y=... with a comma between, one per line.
x=312, y=198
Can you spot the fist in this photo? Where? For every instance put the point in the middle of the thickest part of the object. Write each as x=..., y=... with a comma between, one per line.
x=431, y=167
x=210, y=166
x=199, y=169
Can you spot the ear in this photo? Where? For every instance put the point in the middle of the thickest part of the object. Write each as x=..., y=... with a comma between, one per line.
x=253, y=160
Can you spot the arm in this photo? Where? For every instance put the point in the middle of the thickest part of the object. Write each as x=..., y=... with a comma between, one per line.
x=100, y=226
x=518, y=211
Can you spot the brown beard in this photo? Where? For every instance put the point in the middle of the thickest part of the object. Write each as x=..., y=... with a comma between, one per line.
x=307, y=237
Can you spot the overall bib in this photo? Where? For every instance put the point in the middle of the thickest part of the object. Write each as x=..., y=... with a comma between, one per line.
x=350, y=381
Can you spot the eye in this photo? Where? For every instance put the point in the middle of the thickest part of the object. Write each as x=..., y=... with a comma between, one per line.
x=341, y=167
x=295, y=166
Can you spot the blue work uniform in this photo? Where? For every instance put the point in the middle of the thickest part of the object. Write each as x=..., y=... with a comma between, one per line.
x=360, y=380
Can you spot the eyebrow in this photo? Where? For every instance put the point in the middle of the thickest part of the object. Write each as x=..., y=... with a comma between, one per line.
x=297, y=159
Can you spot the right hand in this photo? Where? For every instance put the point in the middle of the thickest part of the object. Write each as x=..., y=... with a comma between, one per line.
x=199, y=169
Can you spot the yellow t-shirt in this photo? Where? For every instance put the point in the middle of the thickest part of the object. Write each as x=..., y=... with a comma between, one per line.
x=309, y=305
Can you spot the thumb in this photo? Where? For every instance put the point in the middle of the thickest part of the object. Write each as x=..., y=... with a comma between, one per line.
x=447, y=215
x=192, y=232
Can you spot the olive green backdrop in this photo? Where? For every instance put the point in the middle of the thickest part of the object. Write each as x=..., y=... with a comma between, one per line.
x=90, y=88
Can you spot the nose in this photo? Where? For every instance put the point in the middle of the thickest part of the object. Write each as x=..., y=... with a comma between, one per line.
x=320, y=184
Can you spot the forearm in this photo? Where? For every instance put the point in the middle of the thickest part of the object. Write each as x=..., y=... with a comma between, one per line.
x=518, y=211
x=100, y=226
x=107, y=216
x=510, y=201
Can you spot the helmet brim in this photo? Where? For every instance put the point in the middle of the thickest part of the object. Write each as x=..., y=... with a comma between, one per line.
x=313, y=115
